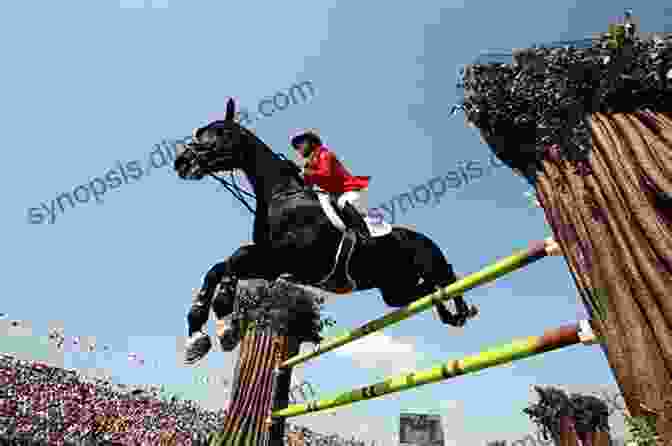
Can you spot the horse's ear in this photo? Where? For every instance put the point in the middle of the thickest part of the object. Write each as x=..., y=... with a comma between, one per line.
x=230, y=110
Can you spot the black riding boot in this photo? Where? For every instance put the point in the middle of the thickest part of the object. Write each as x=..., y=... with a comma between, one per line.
x=356, y=221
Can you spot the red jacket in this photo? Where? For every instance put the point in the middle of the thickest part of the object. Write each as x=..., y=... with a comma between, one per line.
x=329, y=174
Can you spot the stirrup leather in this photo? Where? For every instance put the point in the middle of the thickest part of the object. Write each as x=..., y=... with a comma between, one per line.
x=355, y=220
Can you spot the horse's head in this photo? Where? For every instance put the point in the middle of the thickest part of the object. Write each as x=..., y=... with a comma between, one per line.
x=217, y=147
x=224, y=146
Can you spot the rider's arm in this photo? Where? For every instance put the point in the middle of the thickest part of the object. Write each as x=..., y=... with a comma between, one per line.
x=321, y=169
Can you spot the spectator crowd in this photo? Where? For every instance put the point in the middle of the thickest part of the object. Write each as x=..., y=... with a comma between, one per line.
x=46, y=405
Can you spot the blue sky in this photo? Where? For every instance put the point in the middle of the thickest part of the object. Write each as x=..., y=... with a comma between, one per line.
x=89, y=84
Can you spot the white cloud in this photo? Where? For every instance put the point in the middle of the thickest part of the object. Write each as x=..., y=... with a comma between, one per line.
x=449, y=404
x=383, y=353
x=377, y=343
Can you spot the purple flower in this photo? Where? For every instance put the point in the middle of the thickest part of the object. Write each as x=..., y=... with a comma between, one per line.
x=376, y=216
x=135, y=360
x=583, y=169
x=649, y=120
x=553, y=153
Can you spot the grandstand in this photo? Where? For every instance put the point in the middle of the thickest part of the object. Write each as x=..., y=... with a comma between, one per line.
x=45, y=405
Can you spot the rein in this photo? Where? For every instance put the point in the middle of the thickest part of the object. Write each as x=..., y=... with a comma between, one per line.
x=236, y=190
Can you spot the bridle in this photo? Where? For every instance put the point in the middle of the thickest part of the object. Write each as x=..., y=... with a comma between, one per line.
x=233, y=187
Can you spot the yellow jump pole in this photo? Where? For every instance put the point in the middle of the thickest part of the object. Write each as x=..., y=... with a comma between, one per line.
x=554, y=339
x=537, y=250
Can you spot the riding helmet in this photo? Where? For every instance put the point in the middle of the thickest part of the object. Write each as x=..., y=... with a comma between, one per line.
x=307, y=136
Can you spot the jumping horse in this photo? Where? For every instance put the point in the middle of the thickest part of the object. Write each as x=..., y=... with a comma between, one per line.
x=296, y=234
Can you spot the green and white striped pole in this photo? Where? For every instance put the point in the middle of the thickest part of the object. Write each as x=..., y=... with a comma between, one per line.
x=518, y=349
x=536, y=251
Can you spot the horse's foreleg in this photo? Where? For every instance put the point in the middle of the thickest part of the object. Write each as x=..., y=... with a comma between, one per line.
x=223, y=303
x=202, y=299
x=198, y=312
x=247, y=262
x=198, y=343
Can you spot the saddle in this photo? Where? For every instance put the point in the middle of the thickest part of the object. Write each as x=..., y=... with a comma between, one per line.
x=338, y=280
x=328, y=202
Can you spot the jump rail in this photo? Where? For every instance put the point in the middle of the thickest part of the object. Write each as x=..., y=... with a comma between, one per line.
x=536, y=251
x=554, y=339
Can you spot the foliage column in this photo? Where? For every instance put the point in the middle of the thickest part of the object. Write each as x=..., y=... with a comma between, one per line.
x=274, y=317
x=591, y=131
x=570, y=420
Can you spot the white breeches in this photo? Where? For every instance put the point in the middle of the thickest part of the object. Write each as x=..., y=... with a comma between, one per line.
x=358, y=198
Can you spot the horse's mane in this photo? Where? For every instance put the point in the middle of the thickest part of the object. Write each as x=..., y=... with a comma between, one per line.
x=295, y=171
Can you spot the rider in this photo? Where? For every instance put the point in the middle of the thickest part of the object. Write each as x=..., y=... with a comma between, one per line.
x=323, y=169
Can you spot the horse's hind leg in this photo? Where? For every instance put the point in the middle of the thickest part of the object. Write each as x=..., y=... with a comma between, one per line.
x=438, y=273
x=432, y=271
x=463, y=311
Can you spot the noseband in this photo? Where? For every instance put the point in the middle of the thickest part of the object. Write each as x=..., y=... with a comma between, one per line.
x=232, y=187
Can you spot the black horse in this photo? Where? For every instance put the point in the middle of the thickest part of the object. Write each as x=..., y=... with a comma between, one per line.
x=293, y=236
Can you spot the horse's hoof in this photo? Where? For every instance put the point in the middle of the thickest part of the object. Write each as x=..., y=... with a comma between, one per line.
x=455, y=320
x=448, y=318
x=229, y=342
x=228, y=335
x=460, y=320
x=197, y=346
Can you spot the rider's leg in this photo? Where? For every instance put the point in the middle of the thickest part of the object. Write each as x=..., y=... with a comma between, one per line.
x=353, y=205
x=358, y=198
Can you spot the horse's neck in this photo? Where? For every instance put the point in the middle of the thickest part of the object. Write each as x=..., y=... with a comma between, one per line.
x=269, y=174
